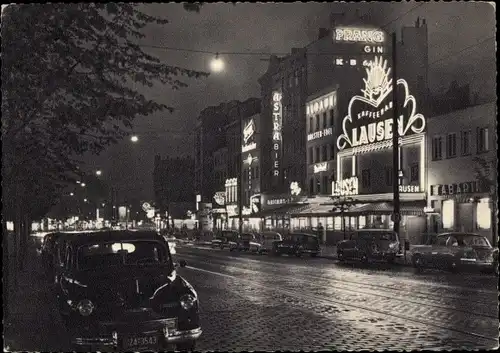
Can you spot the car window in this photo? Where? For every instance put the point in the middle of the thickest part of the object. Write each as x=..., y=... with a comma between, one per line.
x=387, y=236
x=473, y=240
x=365, y=236
x=452, y=241
x=247, y=236
x=98, y=255
x=441, y=241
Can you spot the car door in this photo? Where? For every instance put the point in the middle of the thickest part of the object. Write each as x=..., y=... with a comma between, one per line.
x=440, y=252
x=349, y=246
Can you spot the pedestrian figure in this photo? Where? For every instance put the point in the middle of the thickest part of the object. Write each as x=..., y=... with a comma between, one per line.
x=320, y=233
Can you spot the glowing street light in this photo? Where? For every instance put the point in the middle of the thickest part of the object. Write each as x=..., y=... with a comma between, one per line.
x=98, y=172
x=71, y=194
x=134, y=138
x=84, y=200
x=78, y=181
x=217, y=65
x=83, y=185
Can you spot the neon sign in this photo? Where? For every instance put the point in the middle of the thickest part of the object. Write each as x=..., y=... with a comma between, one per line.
x=321, y=104
x=295, y=189
x=248, y=133
x=318, y=134
x=320, y=167
x=345, y=187
x=277, y=124
x=359, y=35
x=369, y=117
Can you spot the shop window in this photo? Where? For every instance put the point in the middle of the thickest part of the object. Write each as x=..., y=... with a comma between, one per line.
x=482, y=140
x=483, y=214
x=325, y=120
x=329, y=223
x=314, y=222
x=414, y=173
x=338, y=223
x=317, y=155
x=317, y=122
x=451, y=145
x=353, y=223
x=331, y=117
x=437, y=148
x=324, y=154
x=365, y=178
x=388, y=176
x=448, y=214
x=465, y=142
x=361, y=222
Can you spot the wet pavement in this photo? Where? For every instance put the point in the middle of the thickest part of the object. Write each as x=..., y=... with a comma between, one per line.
x=265, y=303
x=255, y=302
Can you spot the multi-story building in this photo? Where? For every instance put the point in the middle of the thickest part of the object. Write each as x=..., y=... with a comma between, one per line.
x=173, y=181
x=462, y=171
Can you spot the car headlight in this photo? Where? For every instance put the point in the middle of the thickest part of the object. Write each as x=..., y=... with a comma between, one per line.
x=85, y=307
x=187, y=301
x=393, y=246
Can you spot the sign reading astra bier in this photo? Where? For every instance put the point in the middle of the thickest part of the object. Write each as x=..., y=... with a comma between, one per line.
x=370, y=117
x=277, y=117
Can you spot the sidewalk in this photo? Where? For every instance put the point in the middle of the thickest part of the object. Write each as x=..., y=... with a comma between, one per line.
x=34, y=320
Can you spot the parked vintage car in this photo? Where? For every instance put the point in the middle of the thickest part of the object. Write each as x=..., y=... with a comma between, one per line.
x=243, y=242
x=224, y=239
x=297, y=244
x=264, y=242
x=456, y=251
x=370, y=245
x=119, y=290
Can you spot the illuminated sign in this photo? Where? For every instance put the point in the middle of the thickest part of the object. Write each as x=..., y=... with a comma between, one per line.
x=318, y=134
x=220, y=198
x=248, y=133
x=321, y=104
x=369, y=49
x=277, y=124
x=409, y=188
x=232, y=210
x=369, y=117
x=359, y=35
x=146, y=206
x=458, y=188
x=345, y=187
x=255, y=203
x=246, y=211
x=277, y=201
x=295, y=188
x=320, y=167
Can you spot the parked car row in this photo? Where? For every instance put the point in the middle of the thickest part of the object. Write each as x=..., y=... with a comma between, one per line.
x=272, y=243
x=120, y=290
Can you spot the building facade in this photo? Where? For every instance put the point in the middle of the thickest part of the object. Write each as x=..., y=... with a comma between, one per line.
x=462, y=171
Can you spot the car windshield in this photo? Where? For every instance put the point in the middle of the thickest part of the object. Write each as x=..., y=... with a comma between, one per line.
x=106, y=254
x=471, y=240
x=246, y=236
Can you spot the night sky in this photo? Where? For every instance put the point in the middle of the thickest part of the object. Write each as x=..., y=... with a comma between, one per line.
x=276, y=28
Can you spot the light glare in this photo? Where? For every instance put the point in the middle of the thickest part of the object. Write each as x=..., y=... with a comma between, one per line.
x=217, y=65
x=134, y=138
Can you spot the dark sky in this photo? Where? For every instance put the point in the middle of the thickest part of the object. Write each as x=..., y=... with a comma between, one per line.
x=275, y=28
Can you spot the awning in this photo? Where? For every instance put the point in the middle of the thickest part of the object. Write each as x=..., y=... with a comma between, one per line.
x=315, y=210
x=415, y=208
x=279, y=211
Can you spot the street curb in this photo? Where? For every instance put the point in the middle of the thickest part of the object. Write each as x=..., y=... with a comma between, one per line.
x=333, y=257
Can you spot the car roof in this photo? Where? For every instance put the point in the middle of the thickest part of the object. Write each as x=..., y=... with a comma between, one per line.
x=307, y=234
x=83, y=238
x=459, y=233
x=374, y=230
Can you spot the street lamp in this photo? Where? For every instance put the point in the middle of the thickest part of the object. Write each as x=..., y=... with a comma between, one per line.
x=82, y=185
x=71, y=194
x=84, y=200
x=217, y=65
x=98, y=172
x=134, y=138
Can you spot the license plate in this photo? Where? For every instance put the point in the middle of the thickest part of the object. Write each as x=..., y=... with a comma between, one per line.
x=140, y=342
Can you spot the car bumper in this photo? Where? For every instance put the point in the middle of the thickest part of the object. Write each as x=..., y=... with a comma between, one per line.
x=478, y=265
x=111, y=334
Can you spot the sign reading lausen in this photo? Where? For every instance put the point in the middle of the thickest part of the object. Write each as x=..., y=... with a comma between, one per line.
x=277, y=124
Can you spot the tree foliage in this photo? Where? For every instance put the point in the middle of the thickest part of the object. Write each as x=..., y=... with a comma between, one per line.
x=69, y=78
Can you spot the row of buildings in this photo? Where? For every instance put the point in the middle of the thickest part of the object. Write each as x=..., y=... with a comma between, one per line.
x=321, y=132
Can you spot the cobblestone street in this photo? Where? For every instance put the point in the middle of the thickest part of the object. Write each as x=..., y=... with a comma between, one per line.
x=250, y=302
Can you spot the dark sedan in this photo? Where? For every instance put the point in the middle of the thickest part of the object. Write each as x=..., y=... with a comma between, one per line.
x=119, y=290
x=370, y=245
x=297, y=244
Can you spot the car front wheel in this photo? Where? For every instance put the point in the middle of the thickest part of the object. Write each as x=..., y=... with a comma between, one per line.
x=340, y=256
x=186, y=346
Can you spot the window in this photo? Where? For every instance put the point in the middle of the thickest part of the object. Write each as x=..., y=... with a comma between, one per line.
x=465, y=140
x=311, y=186
x=365, y=178
x=331, y=117
x=311, y=157
x=324, y=154
x=317, y=155
x=311, y=124
x=318, y=186
x=388, y=176
x=437, y=148
x=414, y=173
x=482, y=140
x=290, y=81
x=317, y=122
x=483, y=214
x=325, y=119
x=448, y=214
x=296, y=77
x=451, y=145
x=325, y=184
x=332, y=151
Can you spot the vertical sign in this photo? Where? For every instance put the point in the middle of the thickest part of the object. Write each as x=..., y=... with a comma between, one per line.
x=277, y=141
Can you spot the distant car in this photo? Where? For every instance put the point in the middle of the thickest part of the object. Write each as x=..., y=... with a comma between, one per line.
x=119, y=290
x=456, y=251
x=224, y=239
x=297, y=244
x=264, y=242
x=242, y=243
x=370, y=245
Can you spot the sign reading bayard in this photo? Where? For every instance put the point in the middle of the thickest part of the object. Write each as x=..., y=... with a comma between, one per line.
x=369, y=117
